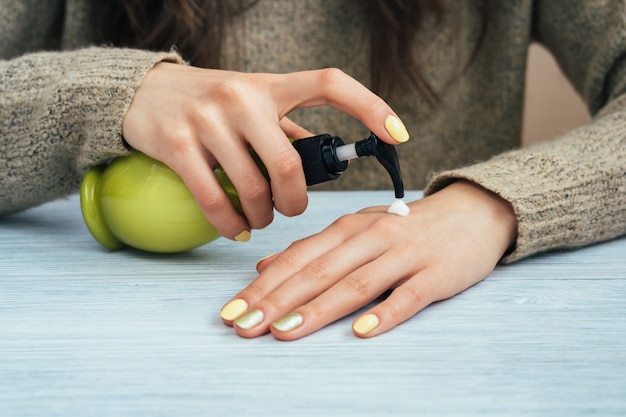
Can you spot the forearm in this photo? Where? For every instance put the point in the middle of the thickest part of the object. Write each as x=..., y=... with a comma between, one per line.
x=566, y=193
x=64, y=114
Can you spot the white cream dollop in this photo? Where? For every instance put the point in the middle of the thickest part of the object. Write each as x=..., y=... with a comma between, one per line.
x=399, y=208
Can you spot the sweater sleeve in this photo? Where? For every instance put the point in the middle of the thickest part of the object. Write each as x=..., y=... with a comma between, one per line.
x=571, y=191
x=62, y=113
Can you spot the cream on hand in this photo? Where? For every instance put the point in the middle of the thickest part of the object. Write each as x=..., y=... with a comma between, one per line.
x=399, y=207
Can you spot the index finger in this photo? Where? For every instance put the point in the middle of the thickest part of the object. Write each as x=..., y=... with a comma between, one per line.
x=331, y=86
x=283, y=266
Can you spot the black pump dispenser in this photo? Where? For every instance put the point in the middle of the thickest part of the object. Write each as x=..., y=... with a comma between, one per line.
x=321, y=162
x=319, y=158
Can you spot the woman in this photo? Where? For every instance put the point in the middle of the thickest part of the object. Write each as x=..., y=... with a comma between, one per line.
x=453, y=72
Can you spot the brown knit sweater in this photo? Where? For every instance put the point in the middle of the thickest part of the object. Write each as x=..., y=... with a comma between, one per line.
x=63, y=101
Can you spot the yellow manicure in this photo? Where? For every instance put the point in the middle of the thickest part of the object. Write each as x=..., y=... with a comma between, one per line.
x=243, y=236
x=365, y=324
x=262, y=259
x=396, y=129
x=288, y=322
x=250, y=319
x=233, y=309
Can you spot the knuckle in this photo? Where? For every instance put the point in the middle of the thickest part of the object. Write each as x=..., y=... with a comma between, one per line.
x=229, y=91
x=254, y=292
x=414, y=296
x=400, y=308
x=213, y=201
x=392, y=311
x=346, y=221
x=181, y=138
x=316, y=309
x=377, y=105
x=385, y=228
x=318, y=271
x=275, y=303
x=261, y=221
x=381, y=231
x=288, y=163
x=289, y=259
x=359, y=285
x=331, y=76
x=182, y=148
x=254, y=190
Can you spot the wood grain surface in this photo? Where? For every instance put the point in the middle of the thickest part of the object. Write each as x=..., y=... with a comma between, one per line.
x=87, y=332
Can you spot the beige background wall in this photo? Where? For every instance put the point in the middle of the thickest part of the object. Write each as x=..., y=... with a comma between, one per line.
x=552, y=106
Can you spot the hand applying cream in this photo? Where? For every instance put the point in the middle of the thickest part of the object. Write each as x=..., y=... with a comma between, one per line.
x=120, y=206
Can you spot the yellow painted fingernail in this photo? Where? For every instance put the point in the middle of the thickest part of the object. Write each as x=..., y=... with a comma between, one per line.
x=233, y=309
x=244, y=236
x=365, y=324
x=396, y=129
x=250, y=319
x=288, y=322
x=261, y=260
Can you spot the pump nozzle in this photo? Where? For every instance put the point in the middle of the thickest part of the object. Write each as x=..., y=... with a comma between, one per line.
x=386, y=155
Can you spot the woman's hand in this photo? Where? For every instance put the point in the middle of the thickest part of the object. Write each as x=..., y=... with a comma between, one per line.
x=450, y=241
x=193, y=119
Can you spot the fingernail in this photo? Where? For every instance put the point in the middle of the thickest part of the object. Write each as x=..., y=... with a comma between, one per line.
x=288, y=322
x=233, y=309
x=365, y=324
x=396, y=129
x=244, y=236
x=261, y=260
x=250, y=319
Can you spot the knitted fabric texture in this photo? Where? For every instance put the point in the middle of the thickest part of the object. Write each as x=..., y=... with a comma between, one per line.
x=63, y=102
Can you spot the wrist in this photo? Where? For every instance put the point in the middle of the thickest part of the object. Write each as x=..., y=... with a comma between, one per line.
x=495, y=210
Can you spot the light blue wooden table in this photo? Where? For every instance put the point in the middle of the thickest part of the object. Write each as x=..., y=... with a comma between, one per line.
x=85, y=332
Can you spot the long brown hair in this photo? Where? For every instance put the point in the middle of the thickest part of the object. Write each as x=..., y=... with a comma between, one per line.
x=163, y=24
